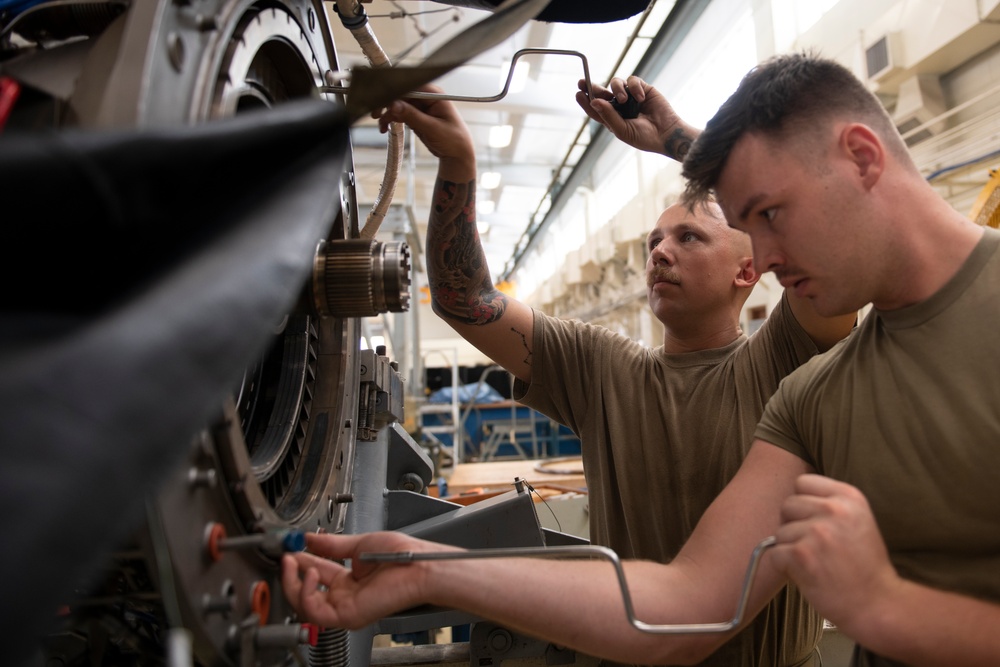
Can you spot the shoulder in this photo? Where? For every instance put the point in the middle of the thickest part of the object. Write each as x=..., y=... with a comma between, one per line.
x=561, y=328
x=780, y=340
x=814, y=373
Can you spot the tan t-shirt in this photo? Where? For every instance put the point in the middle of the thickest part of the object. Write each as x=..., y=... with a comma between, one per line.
x=661, y=435
x=907, y=409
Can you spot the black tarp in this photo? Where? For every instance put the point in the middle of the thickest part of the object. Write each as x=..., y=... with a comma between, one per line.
x=143, y=271
x=570, y=11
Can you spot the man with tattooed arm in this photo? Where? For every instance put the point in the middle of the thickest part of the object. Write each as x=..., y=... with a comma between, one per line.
x=663, y=429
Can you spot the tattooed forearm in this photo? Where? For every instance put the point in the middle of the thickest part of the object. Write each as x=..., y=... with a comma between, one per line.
x=678, y=144
x=460, y=283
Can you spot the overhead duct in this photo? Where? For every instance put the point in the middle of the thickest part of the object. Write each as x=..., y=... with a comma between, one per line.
x=883, y=56
x=920, y=101
x=926, y=37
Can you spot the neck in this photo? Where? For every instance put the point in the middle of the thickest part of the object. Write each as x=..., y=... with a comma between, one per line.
x=678, y=341
x=929, y=249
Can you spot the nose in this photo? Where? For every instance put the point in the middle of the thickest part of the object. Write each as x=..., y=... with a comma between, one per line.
x=766, y=254
x=662, y=253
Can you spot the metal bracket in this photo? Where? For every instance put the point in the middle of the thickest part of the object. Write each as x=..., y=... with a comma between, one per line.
x=588, y=552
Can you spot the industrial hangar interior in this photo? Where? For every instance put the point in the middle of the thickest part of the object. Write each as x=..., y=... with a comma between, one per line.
x=243, y=347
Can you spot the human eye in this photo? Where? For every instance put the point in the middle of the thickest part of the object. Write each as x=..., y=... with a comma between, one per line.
x=769, y=213
x=652, y=242
x=688, y=237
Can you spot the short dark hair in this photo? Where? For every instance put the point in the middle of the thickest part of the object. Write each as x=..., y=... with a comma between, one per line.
x=784, y=96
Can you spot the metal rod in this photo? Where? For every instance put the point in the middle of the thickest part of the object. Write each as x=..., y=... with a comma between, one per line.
x=491, y=98
x=599, y=552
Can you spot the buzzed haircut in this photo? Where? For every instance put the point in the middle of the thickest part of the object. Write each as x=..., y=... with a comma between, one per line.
x=787, y=95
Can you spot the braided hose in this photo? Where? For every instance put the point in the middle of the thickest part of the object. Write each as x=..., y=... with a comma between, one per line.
x=332, y=649
x=356, y=21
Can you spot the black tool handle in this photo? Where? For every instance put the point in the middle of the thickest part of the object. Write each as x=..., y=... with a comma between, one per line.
x=627, y=109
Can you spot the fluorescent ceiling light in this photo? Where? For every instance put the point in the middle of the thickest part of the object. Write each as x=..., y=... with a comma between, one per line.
x=489, y=180
x=483, y=227
x=500, y=135
x=518, y=199
x=485, y=206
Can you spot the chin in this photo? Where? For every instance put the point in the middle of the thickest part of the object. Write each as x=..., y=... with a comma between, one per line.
x=827, y=308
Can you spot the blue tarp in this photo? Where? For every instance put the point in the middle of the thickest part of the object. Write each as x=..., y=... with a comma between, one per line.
x=467, y=393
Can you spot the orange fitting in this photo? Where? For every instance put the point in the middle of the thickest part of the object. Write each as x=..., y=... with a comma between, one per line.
x=214, y=534
x=260, y=600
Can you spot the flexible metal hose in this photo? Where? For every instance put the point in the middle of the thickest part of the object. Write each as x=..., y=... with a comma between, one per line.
x=353, y=16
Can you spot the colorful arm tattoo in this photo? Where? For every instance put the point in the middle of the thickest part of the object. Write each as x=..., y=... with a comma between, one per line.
x=460, y=283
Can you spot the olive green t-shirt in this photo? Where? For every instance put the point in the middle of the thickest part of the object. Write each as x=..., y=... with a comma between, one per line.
x=907, y=409
x=661, y=435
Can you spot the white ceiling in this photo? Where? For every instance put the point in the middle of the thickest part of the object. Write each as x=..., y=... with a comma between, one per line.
x=546, y=119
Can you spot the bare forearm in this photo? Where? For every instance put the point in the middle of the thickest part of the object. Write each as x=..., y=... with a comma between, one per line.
x=678, y=140
x=926, y=627
x=579, y=605
x=459, y=278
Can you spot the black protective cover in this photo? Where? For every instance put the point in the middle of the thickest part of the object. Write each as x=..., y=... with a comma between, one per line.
x=143, y=271
x=569, y=11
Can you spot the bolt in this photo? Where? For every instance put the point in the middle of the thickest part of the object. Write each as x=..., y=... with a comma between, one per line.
x=411, y=481
x=201, y=479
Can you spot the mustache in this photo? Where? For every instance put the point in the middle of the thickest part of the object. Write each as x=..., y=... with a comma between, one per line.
x=660, y=275
x=786, y=272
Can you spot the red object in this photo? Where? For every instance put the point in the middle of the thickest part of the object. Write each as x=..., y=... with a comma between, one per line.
x=10, y=90
x=313, y=631
x=214, y=534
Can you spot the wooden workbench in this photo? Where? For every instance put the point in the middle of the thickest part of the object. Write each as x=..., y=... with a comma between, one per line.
x=494, y=475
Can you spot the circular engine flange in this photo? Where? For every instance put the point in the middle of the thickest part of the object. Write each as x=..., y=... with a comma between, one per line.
x=280, y=455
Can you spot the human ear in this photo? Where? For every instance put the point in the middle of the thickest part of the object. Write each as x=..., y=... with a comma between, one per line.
x=746, y=276
x=865, y=151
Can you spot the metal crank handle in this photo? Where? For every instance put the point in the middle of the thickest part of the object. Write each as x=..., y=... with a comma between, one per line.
x=591, y=551
x=492, y=98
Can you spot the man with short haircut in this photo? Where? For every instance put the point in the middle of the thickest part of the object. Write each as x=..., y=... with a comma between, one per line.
x=874, y=466
x=662, y=429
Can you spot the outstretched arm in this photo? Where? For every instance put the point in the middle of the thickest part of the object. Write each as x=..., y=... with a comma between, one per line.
x=461, y=286
x=574, y=603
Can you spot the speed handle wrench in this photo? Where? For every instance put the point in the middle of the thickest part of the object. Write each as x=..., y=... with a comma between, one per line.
x=499, y=96
x=601, y=553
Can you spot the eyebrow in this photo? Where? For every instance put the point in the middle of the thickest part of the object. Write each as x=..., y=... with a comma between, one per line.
x=751, y=203
x=679, y=228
